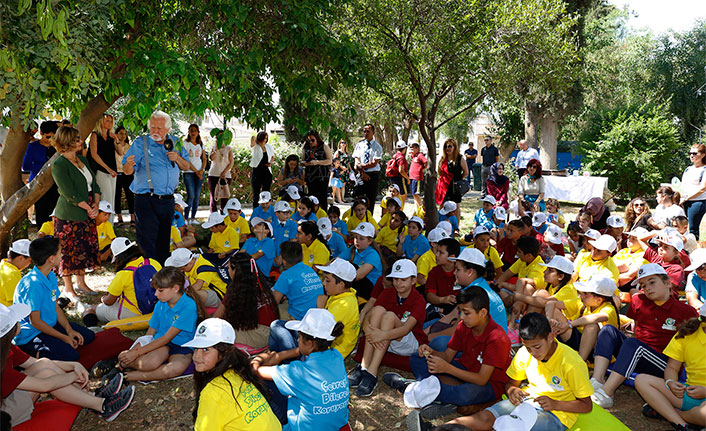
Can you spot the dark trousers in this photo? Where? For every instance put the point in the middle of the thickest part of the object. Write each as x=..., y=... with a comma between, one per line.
x=46, y=346
x=631, y=354
x=695, y=211
x=320, y=190
x=45, y=205
x=369, y=189
x=213, y=205
x=123, y=185
x=154, y=222
x=260, y=182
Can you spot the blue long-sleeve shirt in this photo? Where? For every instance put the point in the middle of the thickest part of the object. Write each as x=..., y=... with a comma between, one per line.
x=35, y=157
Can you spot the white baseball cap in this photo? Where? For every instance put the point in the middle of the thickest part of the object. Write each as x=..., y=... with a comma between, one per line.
x=698, y=258
x=599, y=285
x=500, y=213
x=480, y=230
x=403, y=268
x=264, y=197
x=522, y=418
x=324, y=225
x=120, y=245
x=9, y=316
x=702, y=310
x=672, y=240
x=638, y=232
x=233, y=204
x=21, y=246
x=648, y=269
x=178, y=200
x=180, y=257
x=437, y=234
x=314, y=200
x=422, y=393
x=560, y=263
x=341, y=268
x=106, y=207
x=211, y=332
x=257, y=220
x=53, y=213
x=365, y=229
x=605, y=242
x=401, y=145
x=396, y=199
x=282, y=207
x=592, y=233
x=445, y=225
x=449, y=206
x=317, y=322
x=293, y=192
x=213, y=219
x=615, y=221
x=396, y=187
x=470, y=255
x=416, y=220
x=489, y=198
x=553, y=234
x=539, y=219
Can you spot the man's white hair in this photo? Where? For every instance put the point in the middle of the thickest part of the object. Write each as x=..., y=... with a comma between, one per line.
x=161, y=114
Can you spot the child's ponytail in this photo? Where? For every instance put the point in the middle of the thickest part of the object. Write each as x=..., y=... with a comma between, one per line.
x=321, y=344
x=690, y=326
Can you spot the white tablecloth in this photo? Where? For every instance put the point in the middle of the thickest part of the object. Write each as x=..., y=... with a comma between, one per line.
x=574, y=189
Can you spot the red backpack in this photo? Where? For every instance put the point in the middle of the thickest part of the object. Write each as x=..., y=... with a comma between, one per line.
x=391, y=170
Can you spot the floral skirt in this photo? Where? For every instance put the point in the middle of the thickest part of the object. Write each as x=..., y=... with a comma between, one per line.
x=79, y=245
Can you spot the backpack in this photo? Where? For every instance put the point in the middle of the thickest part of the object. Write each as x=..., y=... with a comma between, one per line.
x=141, y=279
x=391, y=169
x=222, y=272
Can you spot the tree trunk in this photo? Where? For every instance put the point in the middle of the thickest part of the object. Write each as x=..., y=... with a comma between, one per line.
x=548, y=141
x=431, y=218
x=407, y=123
x=532, y=117
x=11, y=155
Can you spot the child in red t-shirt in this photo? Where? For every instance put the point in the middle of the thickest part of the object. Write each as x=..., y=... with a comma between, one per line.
x=64, y=380
x=666, y=255
x=394, y=325
x=440, y=281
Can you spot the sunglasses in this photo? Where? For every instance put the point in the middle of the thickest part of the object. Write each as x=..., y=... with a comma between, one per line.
x=642, y=204
x=312, y=140
x=693, y=153
x=448, y=146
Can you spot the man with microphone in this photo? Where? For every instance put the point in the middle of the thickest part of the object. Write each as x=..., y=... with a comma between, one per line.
x=156, y=163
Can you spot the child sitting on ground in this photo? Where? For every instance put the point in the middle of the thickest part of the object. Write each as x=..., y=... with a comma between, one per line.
x=393, y=205
x=46, y=333
x=507, y=246
x=316, y=208
x=389, y=236
x=681, y=224
x=481, y=241
x=313, y=244
x=11, y=269
x=341, y=301
x=334, y=242
x=600, y=261
x=298, y=282
x=172, y=324
x=285, y=229
x=447, y=212
x=358, y=213
x=630, y=259
x=393, y=192
x=484, y=215
x=47, y=228
x=427, y=261
x=696, y=282
x=305, y=211
x=394, y=325
x=440, y=289
x=224, y=239
x=616, y=229
x=261, y=247
x=666, y=255
x=104, y=229
x=554, y=214
x=559, y=292
x=415, y=243
x=265, y=210
x=339, y=226
x=366, y=258
x=205, y=281
x=236, y=220
x=575, y=239
x=527, y=268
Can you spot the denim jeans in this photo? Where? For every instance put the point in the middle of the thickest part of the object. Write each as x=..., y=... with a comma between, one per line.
x=546, y=421
x=193, y=192
x=281, y=338
x=695, y=211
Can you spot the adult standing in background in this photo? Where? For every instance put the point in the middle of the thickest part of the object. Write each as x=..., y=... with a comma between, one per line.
x=221, y=165
x=346, y=162
x=452, y=168
x=401, y=179
x=471, y=154
x=102, y=147
x=367, y=155
x=76, y=210
x=524, y=156
x=156, y=178
x=124, y=180
x=263, y=155
x=490, y=155
x=37, y=154
x=693, y=183
x=193, y=178
x=316, y=159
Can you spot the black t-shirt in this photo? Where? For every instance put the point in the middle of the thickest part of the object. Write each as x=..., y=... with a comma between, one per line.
x=490, y=155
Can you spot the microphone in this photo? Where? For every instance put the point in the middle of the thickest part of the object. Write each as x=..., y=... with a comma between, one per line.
x=169, y=146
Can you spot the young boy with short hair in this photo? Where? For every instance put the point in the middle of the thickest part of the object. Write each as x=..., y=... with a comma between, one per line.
x=104, y=229
x=415, y=243
x=557, y=376
x=439, y=289
x=681, y=224
x=46, y=333
x=235, y=219
x=427, y=261
x=285, y=229
x=334, y=241
x=11, y=269
x=507, y=246
x=393, y=325
x=447, y=212
x=484, y=215
x=527, y=268
x=265, y=210
x=224, y=239
x=341, y=301
x=616, y=229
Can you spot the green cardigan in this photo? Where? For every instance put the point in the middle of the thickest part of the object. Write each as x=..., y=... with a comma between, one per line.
x=72, y=189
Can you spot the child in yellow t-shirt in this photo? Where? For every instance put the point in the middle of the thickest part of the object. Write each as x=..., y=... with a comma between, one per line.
x=358, y=214
x=341, y=301
x=317, y=210
x=47, y=228
x=11, y=269
x=388, y=238
x=529, y=272
x=631, y=258
x=599, y=262
x=224, y=239
x=560, y=296
x=393, y=205
x=235, y=219
x=104, y=228
x=481, y=241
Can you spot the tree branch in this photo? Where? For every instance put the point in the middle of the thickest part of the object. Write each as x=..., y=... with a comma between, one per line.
x=474, y=103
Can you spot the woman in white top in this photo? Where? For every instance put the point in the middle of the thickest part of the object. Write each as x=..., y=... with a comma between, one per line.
x=694, y=188
x=193, y=178
x=221, y=164
x=262, y=157
x=667, y=208
x=531, y=187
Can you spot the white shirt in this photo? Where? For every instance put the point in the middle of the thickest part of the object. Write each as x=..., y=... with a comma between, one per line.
x=692, y=180
x=89, y=177
x=663, y=214
x=257, y=154
x=367, y=152
x=195, y=152
x=524, y=156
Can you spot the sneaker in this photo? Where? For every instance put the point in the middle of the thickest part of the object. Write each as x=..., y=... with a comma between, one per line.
x=415, y=422
x=116, y=404
x=110, y=375
x=101, y=368
x=367, y=385
x=355, y=376
x=396, y=381
x=602, y=399
x=596, y=384
x=437, y=410
x=110, y=388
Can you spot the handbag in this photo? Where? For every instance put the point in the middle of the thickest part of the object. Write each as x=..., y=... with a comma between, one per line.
x=461, y=187
x=222, y=191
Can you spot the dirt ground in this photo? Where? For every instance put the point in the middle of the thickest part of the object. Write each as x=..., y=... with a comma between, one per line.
x=167, y=406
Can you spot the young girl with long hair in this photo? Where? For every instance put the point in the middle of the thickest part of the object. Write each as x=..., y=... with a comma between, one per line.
x=248, y=304
x=229, y=394
x=667, y=208
x=290, y=174
x=305, y=210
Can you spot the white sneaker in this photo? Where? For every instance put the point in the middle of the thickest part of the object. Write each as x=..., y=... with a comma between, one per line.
x=602, y=399
x=596, y=384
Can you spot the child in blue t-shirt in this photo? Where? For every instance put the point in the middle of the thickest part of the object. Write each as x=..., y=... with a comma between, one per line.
x=265, y=211
x=305, y=210
x=338, y=225
x=336, y=243
x=285, y=229
x=414, y=244
x=696, y=282
x=172, y=324
x=311, y=393
x=447, y=212
x=484, y=216
x=46, y=333
x=262, y=246
x=365, y=258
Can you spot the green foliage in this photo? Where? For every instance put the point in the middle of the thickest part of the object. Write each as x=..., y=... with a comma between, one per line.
x=509, y=121
x=223, y=137
x=636, y=151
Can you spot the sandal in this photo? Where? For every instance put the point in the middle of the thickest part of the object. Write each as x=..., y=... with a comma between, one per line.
x=649, y=412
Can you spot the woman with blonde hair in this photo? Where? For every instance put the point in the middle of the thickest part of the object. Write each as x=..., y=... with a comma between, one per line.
x=452, y=168
x=102, y=147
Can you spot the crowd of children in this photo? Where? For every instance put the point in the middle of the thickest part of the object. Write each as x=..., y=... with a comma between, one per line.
x=290, y=293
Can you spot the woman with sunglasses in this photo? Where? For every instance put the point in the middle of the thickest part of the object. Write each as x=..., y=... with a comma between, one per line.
x=317, y=160
x=452, y=168
x=531, y=187
x=637, y=214
x=693, y=188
